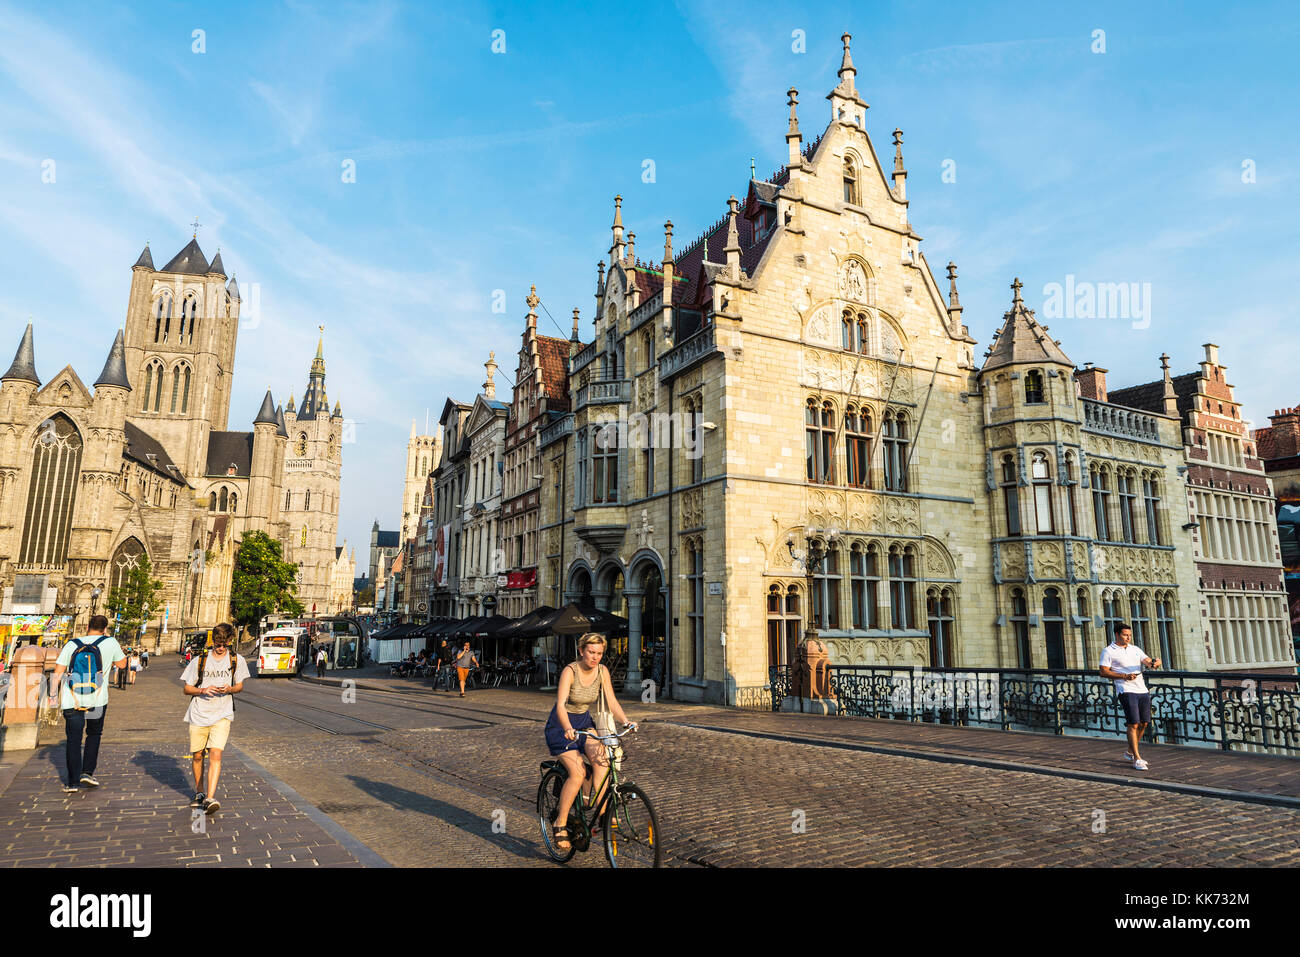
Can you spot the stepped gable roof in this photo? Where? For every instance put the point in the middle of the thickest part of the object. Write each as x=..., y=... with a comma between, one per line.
x=140, y=445
x=189, y=261
x=216, y=266
x=1022, y=339
x=24, y=364
x=146, y=258
x=115, y=366
x=389, y=539
x=227, y=448
x=267, y=412
x=554, y=356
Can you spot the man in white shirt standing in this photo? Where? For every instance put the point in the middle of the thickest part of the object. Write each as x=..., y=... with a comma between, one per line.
x=211, y=680
x=1122, y=661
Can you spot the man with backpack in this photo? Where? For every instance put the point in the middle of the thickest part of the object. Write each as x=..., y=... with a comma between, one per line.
x=211, y=681
x=84, y=697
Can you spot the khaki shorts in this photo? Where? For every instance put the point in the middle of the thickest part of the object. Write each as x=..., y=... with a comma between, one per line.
x=211, y=736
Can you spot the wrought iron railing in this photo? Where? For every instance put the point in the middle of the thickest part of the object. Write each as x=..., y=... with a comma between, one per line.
x=1233, y=712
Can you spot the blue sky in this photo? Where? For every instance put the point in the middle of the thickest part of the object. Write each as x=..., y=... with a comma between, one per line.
x=478, y=171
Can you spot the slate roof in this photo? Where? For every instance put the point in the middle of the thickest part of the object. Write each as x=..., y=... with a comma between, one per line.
x=140, y=445
x=24, y=364
x=232, y=287
x=115, y=366
x=146, y=258
x=227, y=447
x=267, y=412
x=280, y=428
x=689, y=265
x=389, y=540
x=1150, y=396
x=216, y=266
x=1022, y=339
x=189, y=261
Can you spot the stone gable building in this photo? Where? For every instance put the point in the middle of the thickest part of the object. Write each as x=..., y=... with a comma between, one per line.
x=481, y=558
x=448, y=509
x=794, y=392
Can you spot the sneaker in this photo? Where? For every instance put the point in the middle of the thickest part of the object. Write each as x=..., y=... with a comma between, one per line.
x=211, y=806
x=198, y=799
x=70, y=789
x=1128, y=756
x=1140, y=765
x=89, y=781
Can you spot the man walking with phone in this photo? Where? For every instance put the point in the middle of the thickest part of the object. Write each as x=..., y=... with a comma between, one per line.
x=1122, y=661
x=84, y=697
x=211, y=680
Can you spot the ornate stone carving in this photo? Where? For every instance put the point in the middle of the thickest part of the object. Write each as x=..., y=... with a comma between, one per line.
x=1080, y=560
x=1047, y=556
x=903, y=516
x=938, y=563
x=819, y=327
x=693, y=508
x=1013, y=561
x=853, y=281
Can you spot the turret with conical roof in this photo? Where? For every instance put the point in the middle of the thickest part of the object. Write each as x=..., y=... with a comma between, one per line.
x=1022, y=339
x=216, y=265
x=145, y=261
x=24, y=364
x=267, y=413
x=114, y=374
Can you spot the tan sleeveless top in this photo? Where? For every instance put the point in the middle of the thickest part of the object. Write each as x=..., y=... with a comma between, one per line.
x=582, y=697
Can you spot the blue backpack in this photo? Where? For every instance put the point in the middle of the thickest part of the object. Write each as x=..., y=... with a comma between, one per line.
x=86, y=672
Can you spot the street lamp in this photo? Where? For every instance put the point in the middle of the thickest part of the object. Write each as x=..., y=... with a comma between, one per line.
x=94, y=600
x=812, y=557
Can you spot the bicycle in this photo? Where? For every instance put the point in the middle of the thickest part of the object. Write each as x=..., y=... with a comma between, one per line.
x=627, y=819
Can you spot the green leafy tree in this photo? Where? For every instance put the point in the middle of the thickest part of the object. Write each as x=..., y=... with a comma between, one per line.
x=137, y=600
x=264, y=583
x=366, y=596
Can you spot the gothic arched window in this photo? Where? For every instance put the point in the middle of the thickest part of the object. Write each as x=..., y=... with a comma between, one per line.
x=52, y=493
x=234, y=502
x=190, y=310
x=125, y=557
x=850, y=182
x=301, y=447
x=221, y=500
x=153, y=387
x=176, y=385
x=212, y=502
x=1033, y=386
x=162, y=313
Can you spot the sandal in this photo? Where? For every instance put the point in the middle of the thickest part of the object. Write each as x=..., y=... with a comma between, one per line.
x=562, y=842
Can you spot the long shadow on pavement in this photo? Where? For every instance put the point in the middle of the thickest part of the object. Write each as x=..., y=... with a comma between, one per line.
x=165, y=769
x=458, y=817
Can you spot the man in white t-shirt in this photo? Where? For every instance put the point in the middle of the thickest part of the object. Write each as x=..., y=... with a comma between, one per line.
x=83, y=709
x=1122, y=661
x=212, y=709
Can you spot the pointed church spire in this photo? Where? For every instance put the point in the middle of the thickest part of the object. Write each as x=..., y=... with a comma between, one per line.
x=281, y=429
x=24, y=364
x=232, y=287
x=1022, y=339
x=114, y=373
x=266, y=414
x=314, y=401
x=216, y=266
x=146, y=259
x=844, y=98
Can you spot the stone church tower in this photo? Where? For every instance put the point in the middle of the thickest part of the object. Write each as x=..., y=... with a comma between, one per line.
x=312, y=466
x=422, y=455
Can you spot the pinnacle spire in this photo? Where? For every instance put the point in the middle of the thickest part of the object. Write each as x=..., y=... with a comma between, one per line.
x=266, y=414
x=533, y=302
x=145, y=260
x=281, y=429
x=575, y=324
x=953, y=301
x=792, y=101
x=489, y=385
x=847, y=68
x=732, y=248
x=668, y=241
x=114, y=373
x=24, y=364
x=216, y=265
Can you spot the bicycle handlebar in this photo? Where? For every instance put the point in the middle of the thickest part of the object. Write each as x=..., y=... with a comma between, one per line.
x=628, y=729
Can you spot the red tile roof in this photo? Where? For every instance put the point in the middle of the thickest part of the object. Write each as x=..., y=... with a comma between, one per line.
x=554, y=356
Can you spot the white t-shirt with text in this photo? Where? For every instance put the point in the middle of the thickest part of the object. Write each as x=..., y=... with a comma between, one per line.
x=205, y=712
x=1126, y=661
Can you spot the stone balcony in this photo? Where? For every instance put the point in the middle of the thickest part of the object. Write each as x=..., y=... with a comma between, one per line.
x=556, y=431
x=690, y=352
x=602, y=392
x=601, y=526
x=1106, y=419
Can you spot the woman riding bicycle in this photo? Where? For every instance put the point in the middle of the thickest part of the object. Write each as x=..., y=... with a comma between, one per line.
x=580, y=686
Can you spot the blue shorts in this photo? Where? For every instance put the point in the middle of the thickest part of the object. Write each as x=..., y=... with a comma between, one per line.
x=555, y=739
x=1137, y=707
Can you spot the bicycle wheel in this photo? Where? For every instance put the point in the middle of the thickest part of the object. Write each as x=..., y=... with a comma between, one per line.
x=548, y=806
x=632, y=830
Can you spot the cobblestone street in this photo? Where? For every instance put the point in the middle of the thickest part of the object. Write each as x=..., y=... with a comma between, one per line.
x=421, y=778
